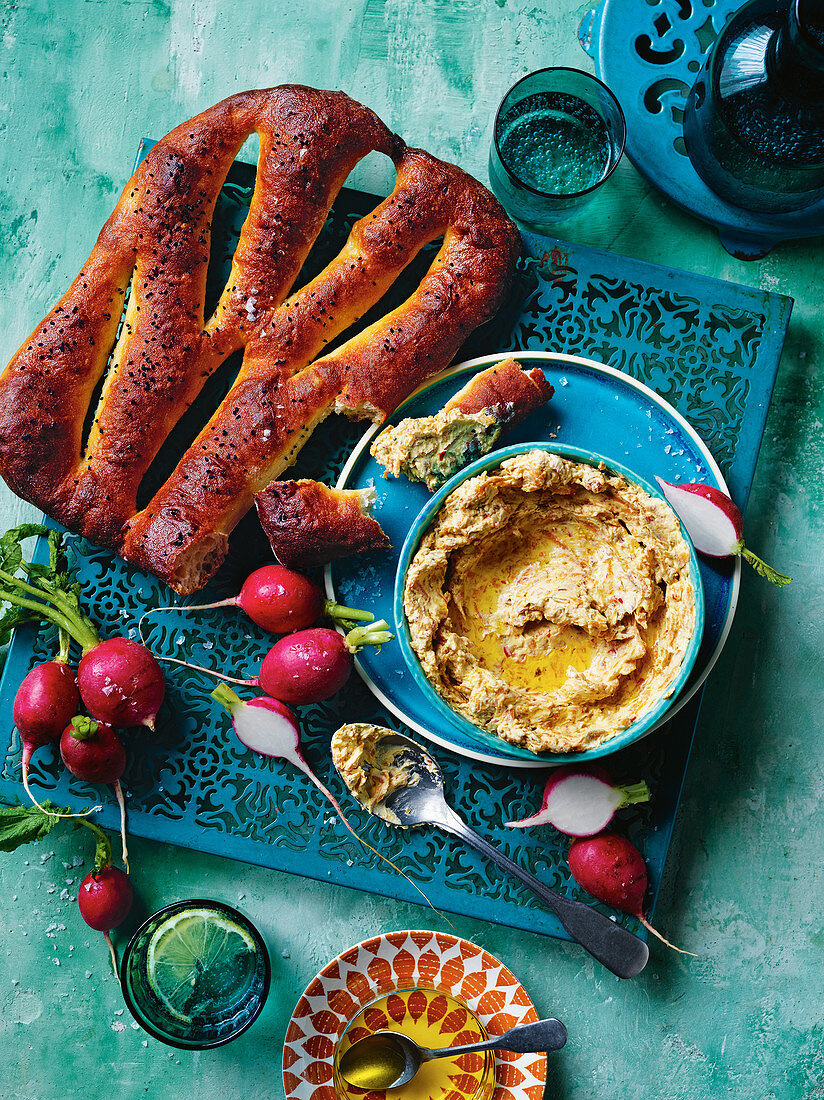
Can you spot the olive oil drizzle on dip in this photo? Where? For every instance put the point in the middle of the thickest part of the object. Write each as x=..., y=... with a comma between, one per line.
x=550, y=602
x=553, y=651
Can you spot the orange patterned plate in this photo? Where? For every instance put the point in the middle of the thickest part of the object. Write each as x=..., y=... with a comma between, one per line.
x=404, y=960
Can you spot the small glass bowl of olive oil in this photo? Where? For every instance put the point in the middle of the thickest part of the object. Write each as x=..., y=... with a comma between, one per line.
x=435, y=1020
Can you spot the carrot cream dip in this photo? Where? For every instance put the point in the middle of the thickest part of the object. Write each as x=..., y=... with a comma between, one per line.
x=551, y=602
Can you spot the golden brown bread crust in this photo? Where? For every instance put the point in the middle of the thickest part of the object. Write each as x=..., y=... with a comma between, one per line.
x=307, y=523
x=158, y=238
x=506, y=391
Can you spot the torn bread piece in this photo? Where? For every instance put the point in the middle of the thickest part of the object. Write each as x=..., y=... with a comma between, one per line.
x=433, y=448
x=307, y=523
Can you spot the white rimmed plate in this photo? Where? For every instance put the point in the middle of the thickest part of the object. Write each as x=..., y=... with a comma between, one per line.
x=594, y=407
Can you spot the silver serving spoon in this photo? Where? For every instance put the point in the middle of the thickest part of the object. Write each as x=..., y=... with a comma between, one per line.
x=420, y=801
x=387, y=1059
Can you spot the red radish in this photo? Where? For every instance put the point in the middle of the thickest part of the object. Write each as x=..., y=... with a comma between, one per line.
x=92, y=750
x=105, y=898
x=582, y=801
x=94, y=753
x=612, y=869
x=44, y=703
x=306, y=667
x=280, y=600
x=42, y=700
x=121, y=683
x=715, y=525
x=309, y=666
x=105, y=895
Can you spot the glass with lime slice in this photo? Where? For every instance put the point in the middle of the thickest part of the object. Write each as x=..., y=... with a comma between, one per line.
x=195, y=974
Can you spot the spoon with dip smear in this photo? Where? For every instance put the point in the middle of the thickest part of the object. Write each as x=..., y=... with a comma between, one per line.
x=388, y=1059
x=395, y=779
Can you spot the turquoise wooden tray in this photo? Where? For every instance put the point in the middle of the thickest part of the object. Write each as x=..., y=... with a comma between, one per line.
x=710, y=348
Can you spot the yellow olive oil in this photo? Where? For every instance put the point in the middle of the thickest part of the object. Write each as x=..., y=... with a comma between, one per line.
x=433, y=1019
x=370, y=1065
x=547, y=653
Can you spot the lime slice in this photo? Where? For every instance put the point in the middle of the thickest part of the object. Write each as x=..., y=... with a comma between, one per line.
x=200, y=963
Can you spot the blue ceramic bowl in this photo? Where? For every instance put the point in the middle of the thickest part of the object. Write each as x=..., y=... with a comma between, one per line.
x=648, y=721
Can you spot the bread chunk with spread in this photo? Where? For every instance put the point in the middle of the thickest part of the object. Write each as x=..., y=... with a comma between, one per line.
x=308, y=523
x=433, y=448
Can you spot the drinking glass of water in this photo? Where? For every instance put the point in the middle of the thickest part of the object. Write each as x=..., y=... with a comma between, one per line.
x=195, y=974
x=559, y=134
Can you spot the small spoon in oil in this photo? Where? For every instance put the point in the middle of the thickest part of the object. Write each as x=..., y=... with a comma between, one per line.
x=388, y=1059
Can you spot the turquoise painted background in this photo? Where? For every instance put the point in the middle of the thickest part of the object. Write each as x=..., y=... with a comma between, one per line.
x=82, y=81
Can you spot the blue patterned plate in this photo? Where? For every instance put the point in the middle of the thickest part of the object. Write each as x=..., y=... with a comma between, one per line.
x=595, y=407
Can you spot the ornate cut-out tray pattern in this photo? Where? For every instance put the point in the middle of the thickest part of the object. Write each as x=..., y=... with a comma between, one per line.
x=710, y=348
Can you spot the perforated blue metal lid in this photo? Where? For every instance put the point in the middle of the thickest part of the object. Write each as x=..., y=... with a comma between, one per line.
x=649, y=55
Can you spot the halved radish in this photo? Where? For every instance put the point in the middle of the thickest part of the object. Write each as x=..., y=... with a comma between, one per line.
x=715, y=525
x=582, y=801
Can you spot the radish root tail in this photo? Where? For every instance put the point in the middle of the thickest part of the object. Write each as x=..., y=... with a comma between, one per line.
x=124, y=851
x=182, y=607
x=328, y=794
x=51, y=813
x=209, y=672
x=113, y=954
x=528, y=822
x=656, y=933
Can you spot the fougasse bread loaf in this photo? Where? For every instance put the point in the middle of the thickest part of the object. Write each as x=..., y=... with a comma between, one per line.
x=148, y=271
x=433, y=448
